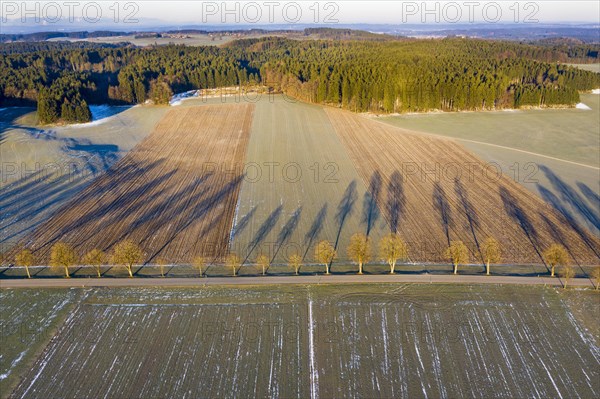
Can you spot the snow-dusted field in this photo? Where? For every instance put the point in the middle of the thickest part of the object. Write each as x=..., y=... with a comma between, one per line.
x=26, y=321
x=320, y=341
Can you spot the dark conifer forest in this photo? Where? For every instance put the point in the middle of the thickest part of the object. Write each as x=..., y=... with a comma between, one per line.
x=380, y=76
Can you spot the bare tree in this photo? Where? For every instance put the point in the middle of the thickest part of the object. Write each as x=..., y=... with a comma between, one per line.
x=458, y=253
x=234, y=262
x=161, y=262
x=359, y=250
x=490, y=250
x=392, y=248
x=566, y=272
x=596, y=276
x=200, y=263
x=325, y=253
x=263, y=261
x=556, y=255
x=63, y=255
x=25, y=258
x=127, y=253
x=295, y=262
x=95, y=258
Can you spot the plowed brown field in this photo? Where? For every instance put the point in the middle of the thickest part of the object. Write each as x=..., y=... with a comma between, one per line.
x=175, y=193
x=433, y=191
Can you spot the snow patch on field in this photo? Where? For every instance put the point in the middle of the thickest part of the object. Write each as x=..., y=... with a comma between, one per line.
x=582, y=106
x=178, y=98
x=596, y=91
x=102, y=114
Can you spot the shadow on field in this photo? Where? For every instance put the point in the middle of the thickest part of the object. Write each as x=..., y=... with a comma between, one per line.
x=553, y=200
x=287, y=230
x=592, y=196
x=345, y=209
x=243, y=223
x=197, y=207
x=441, y=204
x=514, y=210
x=396, y=200
x=26, y=199
x=315, y=229
x=470, y=212
x=112, y=211
x=571, y=197
x=370, y=201
x=264, y=230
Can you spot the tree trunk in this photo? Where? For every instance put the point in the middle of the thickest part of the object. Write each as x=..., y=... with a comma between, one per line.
x=162, y=271
x=27, y=270
x=263, y=269
x=552, y=271
x=233, y=271
x=67, y=272
x=98, y=271
x=326, y=268
x=487, y=268
x=360, y=268
x=392, y=267
x=129, y=270
x=455, y=268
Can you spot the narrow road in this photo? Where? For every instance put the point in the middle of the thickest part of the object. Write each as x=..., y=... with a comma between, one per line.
x=313, y=279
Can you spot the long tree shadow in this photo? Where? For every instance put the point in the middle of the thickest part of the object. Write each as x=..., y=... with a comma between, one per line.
x=469, y=211
x=264, y=230
x=592, y=196
x=197, y=207
x=315, y=229
x=370, y=200
x=570, y=196
x=287, y=230
x=242, y=223
x=441, y=204
x=570, y=220
x=117, y=208
x=345, y=209
x=514, y=210
x=396, y=200
x=558, y=237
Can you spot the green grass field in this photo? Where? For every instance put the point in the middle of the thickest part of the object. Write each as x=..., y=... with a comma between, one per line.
x=389, y=340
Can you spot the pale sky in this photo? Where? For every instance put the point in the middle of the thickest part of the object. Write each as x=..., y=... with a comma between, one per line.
x=268, y=12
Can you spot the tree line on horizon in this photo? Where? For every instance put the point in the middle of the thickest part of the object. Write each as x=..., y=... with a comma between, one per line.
x=380, y=76
x=391, y=249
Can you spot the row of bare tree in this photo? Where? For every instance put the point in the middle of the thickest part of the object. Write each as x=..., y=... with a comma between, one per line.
x=391, y=250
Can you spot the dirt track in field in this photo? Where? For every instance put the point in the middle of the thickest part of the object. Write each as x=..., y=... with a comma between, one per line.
x=175, y=193
x=433, y=191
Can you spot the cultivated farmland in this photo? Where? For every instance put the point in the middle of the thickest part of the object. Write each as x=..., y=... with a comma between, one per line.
x=433, y=191
x=45, y=167
x=174, y=194
x=300, y=187
x=388, y=340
